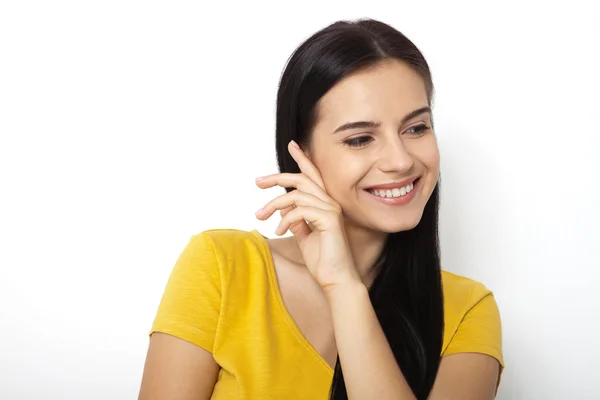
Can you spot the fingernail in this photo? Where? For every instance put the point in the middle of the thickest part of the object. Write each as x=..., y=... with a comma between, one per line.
x=259, y=211
x=295, y=144
x=260, y=178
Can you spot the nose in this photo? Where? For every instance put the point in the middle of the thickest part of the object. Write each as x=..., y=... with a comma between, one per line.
x=394, y=157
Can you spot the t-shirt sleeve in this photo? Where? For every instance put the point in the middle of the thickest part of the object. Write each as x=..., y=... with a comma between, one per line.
x=480, y=330
x=189, y=308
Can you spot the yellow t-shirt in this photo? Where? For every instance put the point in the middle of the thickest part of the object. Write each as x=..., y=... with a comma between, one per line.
x=223, y=296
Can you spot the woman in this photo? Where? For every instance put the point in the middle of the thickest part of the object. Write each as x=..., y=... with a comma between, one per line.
x=358, y=286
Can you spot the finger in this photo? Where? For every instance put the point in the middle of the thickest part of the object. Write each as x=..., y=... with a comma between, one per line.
x=286, y=210
x=321, y=219
x=298, y=181
x=295, y=198
x=305, y=164
x=299, y=229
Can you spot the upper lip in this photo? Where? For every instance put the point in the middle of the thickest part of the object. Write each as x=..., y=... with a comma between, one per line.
x=393, y=185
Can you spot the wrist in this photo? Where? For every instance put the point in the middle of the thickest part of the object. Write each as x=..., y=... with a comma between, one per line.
x=351, y=288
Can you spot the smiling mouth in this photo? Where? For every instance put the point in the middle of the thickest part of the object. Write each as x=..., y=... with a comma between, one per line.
x=397, y=192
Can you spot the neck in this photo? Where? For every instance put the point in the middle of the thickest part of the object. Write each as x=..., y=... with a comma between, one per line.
x=366, y=246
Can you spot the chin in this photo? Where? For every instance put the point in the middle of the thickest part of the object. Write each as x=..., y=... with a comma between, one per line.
x=397, y=224
x=399, y=227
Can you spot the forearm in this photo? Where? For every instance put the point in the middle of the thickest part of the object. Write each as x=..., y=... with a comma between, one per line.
x=370, y=369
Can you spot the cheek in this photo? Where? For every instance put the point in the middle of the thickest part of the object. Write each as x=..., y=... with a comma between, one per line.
x=433, y=159
x=427, y=153
x=341, y=171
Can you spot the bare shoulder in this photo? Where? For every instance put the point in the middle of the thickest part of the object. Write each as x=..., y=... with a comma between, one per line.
x=178, y=370
x=291, y=272
x=285, y=249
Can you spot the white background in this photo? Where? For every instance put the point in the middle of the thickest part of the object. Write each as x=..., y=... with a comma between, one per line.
x=128, y=126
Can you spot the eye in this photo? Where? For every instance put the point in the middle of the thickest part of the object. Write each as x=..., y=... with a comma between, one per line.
x=357, y=142
x=418, y=130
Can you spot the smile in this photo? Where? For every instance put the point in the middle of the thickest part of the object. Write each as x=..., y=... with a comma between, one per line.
x=395, y=192
x=395, y=196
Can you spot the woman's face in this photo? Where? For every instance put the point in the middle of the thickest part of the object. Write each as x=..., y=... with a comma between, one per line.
x=362, y=140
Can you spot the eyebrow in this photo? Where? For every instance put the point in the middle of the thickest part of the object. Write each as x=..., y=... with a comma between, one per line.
x=376, y=124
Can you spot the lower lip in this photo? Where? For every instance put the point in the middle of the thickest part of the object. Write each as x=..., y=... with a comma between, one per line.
x=396, y=201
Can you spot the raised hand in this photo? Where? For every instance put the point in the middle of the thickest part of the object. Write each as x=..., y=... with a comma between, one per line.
x=325, y=246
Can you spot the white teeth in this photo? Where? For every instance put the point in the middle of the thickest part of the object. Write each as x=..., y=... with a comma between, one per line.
x=395, y=192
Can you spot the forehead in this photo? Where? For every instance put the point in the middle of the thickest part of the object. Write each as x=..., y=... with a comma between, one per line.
x=385, y=92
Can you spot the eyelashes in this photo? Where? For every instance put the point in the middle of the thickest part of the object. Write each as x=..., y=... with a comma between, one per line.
x=421, y=129
x=358, y=141
x=361, y=141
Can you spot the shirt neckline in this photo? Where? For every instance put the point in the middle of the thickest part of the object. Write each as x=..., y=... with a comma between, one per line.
x=272, y=274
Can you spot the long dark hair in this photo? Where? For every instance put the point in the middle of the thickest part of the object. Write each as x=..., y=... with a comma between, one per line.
x=407, y=291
